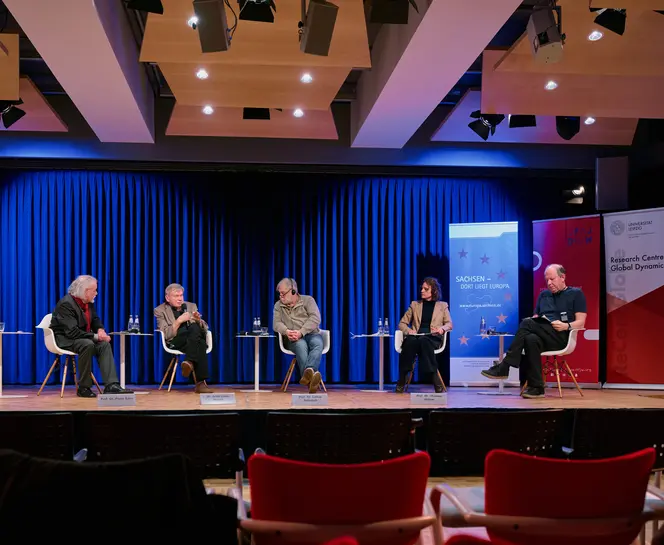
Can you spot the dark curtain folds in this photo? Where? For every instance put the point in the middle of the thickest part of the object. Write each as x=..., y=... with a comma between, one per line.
x=360, y=246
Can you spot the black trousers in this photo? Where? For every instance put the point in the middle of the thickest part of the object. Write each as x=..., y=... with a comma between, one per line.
x=423, y=347
x=534, y=337
x=85, y=348
x=190, y=339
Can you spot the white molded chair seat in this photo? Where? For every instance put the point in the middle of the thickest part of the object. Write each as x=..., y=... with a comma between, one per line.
x=554, y=355
x=176, y=355
x=325, y=333
x=398, y=341
x=53, y=348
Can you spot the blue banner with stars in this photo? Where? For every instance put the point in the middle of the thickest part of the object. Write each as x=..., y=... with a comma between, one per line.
x=484, y=297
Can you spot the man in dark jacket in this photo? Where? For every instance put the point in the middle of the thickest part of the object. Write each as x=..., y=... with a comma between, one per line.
x=77, y=328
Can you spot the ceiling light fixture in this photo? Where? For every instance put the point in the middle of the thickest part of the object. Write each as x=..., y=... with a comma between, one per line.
x=545, y=33
x=550, y=85
x=485, y=124
x=567, y=127
x=595, y=35
x=589, y=120
x=520, y=121
x=298, y=112
x=611, y=19
x=208, y=110
x=202, y=74
x=149, y=6
x=306, y=78
x=192, y=22
x=9, y=113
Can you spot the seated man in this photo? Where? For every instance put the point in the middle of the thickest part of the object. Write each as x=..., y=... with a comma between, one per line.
x=559, y=309
x=185, y=330
x=297, y=318
x=430, y=317
x=77, y=328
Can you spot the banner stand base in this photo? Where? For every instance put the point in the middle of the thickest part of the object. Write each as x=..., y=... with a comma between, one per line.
x=501, y=391
x=633, y=386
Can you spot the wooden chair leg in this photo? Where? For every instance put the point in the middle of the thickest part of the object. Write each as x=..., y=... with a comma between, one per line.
x=523, y=388
x=322, y=385
x=287, y=378
x=64, y=376
x=50, y=372
x=73, y=370
x=441, y=380
x=166, y=373
x=555, y=366
x=569, y=371
x=95, y=381
x=175, y=368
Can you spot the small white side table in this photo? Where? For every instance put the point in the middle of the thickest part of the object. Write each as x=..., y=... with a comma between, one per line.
x=257, y=361
x=381, y=357
x=123, y=353
x=9, y=333
x=501, y=354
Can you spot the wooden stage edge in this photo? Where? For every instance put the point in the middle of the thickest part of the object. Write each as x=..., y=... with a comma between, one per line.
x=340, y=398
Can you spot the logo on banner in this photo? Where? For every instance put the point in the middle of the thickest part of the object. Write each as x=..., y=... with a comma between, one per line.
x=538, y=257
x=617, y=227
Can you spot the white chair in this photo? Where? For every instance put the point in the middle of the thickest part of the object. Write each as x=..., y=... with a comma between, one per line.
x=398, y=341
x=176, y=354
x=53, y=348
x=325, y=333
x=554, y=354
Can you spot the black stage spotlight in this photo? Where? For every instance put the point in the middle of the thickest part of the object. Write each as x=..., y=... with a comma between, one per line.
x=485, y=124
x=567, y=127
x=317, y=27
x=9, y=113
x=517, y=121
x=611, y=19
x=257, y=10
x=391, y=12
x=256, y=113
x=545, y=34
x=150, y=6
x=212, y=26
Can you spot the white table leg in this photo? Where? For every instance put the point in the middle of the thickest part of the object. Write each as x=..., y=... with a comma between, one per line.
x=381, y=366
x=1, y=394
x=501, y=382
x=122, y=361
x=257, y=369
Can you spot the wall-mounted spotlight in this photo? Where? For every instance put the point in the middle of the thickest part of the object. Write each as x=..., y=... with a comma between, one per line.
x=211, y=25
x=317, y=26
x=567, y=127
x=545, y=33
x=485, y=124
x=574, y=196
x=611, y=19
x=518, y=121
x=9, y=113
x=149, y=6
x=391, y=12
x=257, y=10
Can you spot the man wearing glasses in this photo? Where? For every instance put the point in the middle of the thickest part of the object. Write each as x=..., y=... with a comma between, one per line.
x=297, y=318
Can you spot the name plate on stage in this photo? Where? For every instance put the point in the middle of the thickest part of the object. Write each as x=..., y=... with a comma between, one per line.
x=309, y=399
x=218, y=399
x=422, y=398
x=116, y=400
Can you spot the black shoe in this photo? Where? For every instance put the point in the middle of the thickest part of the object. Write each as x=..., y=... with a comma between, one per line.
x=115, y=388
x=399, y=387
x=85, y=392
x=533, y=392
x=499, y=370
x=438, y=385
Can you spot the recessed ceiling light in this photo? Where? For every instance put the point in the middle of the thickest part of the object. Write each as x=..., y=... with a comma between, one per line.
x=306, y=78
x=595, y=35
x=589, y=120
x=550, y=85
x=208, y=110
x=192, y=22
x=298, y=112
x=202, y=74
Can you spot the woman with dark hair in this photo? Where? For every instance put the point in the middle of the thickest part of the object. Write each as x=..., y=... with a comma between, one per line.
x=430, y=317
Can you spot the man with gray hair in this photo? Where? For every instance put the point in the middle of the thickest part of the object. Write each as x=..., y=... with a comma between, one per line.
x=297, y=318
x=184, y=330
x=77, y=328
x=559, y=310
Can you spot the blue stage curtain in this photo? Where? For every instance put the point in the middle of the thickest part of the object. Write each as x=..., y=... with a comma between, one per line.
x=360, y=246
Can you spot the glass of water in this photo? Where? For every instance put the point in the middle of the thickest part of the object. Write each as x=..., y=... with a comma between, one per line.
x=2, y=326
x=263, y=330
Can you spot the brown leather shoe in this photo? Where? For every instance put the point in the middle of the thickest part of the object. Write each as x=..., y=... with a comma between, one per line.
x=203, y=388
x=315, y=382
x=307, y=376
x=187, y=368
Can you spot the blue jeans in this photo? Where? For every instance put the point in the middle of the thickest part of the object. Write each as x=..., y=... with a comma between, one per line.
x=308, y=351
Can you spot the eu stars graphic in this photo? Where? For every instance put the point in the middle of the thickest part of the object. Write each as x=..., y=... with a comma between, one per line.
x=484, y=296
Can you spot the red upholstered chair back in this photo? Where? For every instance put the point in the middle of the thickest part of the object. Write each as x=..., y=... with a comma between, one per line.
x=528, y=486
x=335, y=495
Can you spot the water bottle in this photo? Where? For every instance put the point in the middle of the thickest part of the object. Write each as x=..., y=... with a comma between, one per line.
x=386, y=327
x=380, y=326
x=130, y=325
x=256, y=325
x=137, y=327
x=482, y=326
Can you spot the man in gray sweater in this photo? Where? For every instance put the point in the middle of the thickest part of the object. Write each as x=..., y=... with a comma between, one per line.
x=297, y=318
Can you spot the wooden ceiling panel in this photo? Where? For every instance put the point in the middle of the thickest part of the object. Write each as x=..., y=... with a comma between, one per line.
x=628, y=55
x=228, y=122
x=254, y=85
x=168, y=38
x=39, y=116
x=630, y=5
x=604, y=132
x=9, y=55
x=576, y=94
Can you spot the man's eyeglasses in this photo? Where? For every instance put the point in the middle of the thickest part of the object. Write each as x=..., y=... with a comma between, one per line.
x=283, y=294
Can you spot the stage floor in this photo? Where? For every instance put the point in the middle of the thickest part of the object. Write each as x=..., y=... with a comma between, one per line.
x=182, y=398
